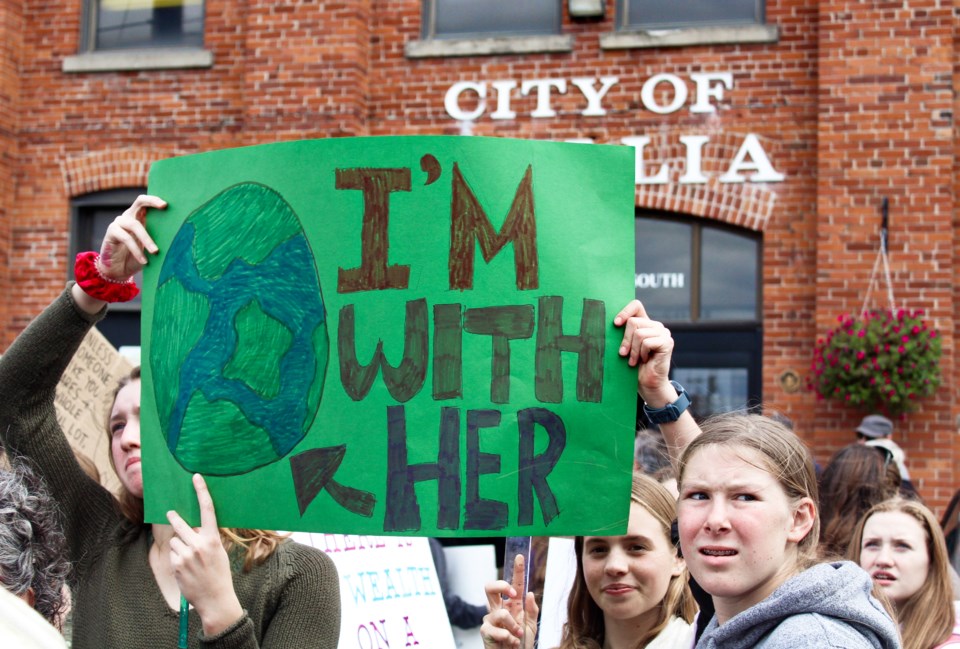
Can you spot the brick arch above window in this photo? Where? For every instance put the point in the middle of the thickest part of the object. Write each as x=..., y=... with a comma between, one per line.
x=745, y=204
x=103, y=170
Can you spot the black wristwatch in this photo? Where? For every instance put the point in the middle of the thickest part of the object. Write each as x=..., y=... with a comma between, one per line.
x=670, y=412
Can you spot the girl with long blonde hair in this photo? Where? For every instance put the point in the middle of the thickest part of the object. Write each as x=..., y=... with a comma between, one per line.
x=899, y=542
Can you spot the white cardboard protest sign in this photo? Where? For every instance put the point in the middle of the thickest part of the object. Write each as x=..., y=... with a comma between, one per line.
x=389, y=592
x=84, y=396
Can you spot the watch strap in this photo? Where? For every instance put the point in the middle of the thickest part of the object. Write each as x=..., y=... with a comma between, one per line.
x=672, y=411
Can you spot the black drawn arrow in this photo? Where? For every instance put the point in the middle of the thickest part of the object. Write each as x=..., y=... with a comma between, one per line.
x=313, y=472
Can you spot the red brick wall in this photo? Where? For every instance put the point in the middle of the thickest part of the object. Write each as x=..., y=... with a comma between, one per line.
x=11, y=27
x=282, y=70
x=306, y=69
x=885, y=129
x=853, y=103
x=949, y=395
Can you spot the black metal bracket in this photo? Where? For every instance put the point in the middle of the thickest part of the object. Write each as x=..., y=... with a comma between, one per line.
x=884, y=222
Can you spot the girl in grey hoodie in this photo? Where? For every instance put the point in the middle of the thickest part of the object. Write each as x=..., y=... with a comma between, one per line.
x=749, y=530
x=748, y=520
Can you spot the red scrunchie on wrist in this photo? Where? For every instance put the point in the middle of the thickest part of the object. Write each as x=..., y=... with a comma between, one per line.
x=99, y=287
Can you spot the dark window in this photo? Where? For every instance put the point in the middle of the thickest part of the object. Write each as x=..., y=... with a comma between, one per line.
x=728, y=275
x=677, y=14
x=703, y=281
x=92, y=213
x=689, y=271
x=124, y=24
x=486, y=18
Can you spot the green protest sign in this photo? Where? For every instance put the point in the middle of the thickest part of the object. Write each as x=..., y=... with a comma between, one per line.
x=398, y=335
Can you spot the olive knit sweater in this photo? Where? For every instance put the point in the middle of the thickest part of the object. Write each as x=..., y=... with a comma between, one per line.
x=291, y=599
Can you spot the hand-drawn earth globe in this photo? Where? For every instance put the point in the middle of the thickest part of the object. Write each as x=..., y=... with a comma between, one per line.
x=239, y=346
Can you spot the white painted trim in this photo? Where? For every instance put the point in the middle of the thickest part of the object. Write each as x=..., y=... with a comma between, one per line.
x=720, y=35
x=139, y=59
x=488, y=46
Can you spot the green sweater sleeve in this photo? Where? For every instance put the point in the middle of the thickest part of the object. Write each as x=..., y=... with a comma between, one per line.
x=292, y=600
x=308, y=611
x=29, y=373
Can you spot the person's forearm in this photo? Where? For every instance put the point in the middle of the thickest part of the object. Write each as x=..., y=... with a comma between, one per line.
x=239, y=635
x=86, y=303
x=679, y=434
x=29, y=373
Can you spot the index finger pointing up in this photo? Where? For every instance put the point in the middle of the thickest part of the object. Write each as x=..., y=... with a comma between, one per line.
x=519, y=570
x=208, y=515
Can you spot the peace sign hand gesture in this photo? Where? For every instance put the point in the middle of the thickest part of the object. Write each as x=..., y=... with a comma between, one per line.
x=511, y=623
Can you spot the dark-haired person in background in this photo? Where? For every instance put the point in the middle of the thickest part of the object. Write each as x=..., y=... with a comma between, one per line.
x=33, y=552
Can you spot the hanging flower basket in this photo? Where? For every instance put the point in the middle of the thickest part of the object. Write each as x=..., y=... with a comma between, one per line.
x=883, y=360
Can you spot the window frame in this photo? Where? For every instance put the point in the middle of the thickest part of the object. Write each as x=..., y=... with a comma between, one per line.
x=429, y=32
x=88, y=33
x=714, y=344
x=696, y=252
x=623, y=22
x=123, y=326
